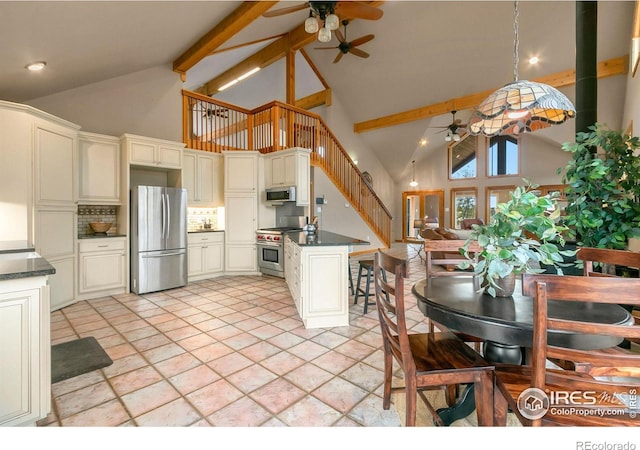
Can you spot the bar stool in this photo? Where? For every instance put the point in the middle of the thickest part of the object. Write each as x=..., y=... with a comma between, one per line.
x=365, y=266
x=351, y=289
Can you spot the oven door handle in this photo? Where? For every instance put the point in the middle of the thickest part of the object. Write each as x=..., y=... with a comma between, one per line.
x=270, y=244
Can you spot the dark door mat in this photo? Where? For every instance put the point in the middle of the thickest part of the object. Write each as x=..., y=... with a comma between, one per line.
x=74, y=358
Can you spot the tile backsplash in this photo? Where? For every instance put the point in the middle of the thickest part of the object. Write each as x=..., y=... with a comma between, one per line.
x=96, y=213
x=197, y=217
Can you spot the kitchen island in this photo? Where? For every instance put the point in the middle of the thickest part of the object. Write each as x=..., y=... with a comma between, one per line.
x=25, y=337
x=316, y=270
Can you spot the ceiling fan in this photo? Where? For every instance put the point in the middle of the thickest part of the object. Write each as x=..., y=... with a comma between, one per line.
x=353, y=10
x=453, y=128
x=210, y=111
x=348, y=47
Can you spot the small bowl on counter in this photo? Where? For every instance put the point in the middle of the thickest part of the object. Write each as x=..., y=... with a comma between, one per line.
x=100, y=227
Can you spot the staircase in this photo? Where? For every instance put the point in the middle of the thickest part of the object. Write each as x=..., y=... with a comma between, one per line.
x=213, y=126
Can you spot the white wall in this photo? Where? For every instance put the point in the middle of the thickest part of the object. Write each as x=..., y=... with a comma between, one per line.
x=146, y=103
x=338, y=216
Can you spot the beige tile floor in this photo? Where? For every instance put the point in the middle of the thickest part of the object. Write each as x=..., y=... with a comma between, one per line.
x=228, y=351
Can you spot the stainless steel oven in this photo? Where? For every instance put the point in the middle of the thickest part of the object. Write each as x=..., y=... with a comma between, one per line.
x=270, y=243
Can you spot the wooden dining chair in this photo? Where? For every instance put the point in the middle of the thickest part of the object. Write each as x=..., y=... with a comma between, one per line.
x=591, y=258
x=447, y=253
x=566, y=389
x=428, y=360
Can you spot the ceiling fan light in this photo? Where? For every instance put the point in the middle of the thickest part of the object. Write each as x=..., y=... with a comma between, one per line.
x=324, y=35
x=311, y=24
x=456, y=137
x=332, y=22
x=448, y=137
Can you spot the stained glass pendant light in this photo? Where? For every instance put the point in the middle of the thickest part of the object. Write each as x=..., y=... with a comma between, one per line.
x=520, y=106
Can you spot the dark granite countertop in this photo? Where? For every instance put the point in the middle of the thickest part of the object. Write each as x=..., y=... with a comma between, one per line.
x=101, y=236
x=16, y=247
x=17, y=266
x=323, y=239
x=205, y=230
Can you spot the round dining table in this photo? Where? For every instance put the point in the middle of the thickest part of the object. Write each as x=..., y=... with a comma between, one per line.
x=505, y=324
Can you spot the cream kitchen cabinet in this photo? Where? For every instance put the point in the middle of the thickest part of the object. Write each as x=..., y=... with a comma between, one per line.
x=206, y=255
x=290, y=168
x=202, y=176
x=317, y=279
x=99, y=176
x=240, y=233
x=55, y=238
x=54, y=165
x=240, y=171
x=145, y=151
x=25, y=358
x=101, y=267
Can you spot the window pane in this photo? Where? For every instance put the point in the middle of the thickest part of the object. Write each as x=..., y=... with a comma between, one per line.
x=503, y=156
x=462, y=158
x=464, y=207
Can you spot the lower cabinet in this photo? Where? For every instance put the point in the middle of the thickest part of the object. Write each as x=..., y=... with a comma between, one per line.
x=25, y=359
x=206, y=255
x=318, y=282
x=101, y=267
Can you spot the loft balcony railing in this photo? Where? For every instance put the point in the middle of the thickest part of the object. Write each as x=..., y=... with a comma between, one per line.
x=213, y=126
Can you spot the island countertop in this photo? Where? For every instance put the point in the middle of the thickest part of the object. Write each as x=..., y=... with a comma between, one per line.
x=322, y=239
x=19, y=260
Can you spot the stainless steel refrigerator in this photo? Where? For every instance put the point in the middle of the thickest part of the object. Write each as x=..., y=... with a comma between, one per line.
x=158, y=238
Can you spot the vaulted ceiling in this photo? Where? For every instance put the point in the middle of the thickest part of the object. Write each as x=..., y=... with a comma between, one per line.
x=426, y=59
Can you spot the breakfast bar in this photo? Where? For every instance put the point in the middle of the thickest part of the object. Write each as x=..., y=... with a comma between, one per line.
x=316, y=270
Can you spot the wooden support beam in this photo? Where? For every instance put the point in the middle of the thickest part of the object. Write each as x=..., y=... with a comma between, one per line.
x=294, y=40
x=290, y=77
x=313, y=100
x=246, y=13
x=611, y=67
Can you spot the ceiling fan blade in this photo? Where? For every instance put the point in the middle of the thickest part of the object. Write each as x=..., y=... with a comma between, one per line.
x=339, y=35
x=358, y=52
x=362, y=40
x=338, y=58
x=287, y=10
x=358, y=10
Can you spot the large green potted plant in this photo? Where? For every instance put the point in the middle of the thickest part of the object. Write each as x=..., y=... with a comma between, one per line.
x=522, y=234
x=603, y=188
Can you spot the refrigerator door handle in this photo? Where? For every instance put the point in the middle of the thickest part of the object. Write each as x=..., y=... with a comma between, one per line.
x=163, y=255
x=164, y=216
x=168, y=203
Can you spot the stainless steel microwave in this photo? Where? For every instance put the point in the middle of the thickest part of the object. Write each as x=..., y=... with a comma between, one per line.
x=281, y=194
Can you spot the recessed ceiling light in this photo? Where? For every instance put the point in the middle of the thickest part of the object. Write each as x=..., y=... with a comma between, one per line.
x=36, y=66
x=534, y=60
x=423, y=142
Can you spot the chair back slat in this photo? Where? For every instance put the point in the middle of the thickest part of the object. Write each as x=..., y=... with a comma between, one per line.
x=590, y=255
x=449, y=248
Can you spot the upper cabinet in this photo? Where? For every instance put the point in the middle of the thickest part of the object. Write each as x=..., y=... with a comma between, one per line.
x=289, y=168
x=144, y=151
x=99, y=180
x=54, y=165
x=241, y=172
x=202, y=176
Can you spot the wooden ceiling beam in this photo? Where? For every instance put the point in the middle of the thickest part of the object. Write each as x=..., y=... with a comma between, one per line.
x=242, y=16
x=314, y=100
x=294, y=40
x=611, y=67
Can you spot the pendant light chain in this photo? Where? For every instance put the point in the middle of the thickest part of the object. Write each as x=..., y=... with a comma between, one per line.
x=516, y=42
